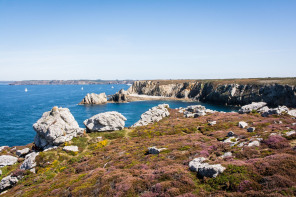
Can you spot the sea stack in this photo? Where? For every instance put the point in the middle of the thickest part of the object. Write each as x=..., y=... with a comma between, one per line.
x=94, y=99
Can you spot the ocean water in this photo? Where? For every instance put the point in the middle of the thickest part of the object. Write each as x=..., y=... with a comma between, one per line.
x=19, y=110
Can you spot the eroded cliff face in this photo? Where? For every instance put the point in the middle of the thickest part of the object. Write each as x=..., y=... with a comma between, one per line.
x=226, y=94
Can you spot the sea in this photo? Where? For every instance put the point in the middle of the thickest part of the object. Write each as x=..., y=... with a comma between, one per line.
x=20, y=109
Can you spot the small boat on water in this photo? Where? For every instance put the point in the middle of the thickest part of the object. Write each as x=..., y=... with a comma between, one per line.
x=82, y=88
x=129, y=84
x=26, y=90
x=112, y=87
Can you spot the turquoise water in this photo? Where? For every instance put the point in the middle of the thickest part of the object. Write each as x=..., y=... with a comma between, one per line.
x=19, y=110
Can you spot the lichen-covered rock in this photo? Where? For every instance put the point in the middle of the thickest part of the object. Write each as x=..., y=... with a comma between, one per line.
x=55, y=127
x=7, y=160
x=108, y=121
x=70, y=148
x=29, y=162
x=154, y=150
x=253, y=106
x=154, y=114
x=205, y=169
x=8, y=182
x=242, y=124
x=94, y=99
x=22, y=152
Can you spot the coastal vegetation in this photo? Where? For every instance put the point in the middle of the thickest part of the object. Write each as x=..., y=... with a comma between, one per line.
x=117, y=163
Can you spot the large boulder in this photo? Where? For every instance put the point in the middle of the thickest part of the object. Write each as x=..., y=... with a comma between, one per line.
x=277, y=111
x=154, y=114
x=205, y=169
x=29, y=162
x=242, y=124
x=253, y=106
x=8, y=182
x=7, y=160
x=55, y=127
x=94, y=99
x=22, y=152
x=108, y=121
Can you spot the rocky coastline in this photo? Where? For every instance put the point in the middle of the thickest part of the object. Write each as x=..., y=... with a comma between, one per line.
x=221, y=92
x=234, y=153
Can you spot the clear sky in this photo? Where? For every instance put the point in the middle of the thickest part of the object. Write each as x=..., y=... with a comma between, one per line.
x=147, y=39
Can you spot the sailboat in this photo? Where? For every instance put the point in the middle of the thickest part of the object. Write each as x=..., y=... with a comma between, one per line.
x=112, y=87
x=82, y=88
x=26, y=90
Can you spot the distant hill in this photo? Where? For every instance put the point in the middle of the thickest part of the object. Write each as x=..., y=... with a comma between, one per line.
x=70, y=82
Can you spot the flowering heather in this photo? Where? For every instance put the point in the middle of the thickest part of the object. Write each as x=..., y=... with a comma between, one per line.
x=122, y=167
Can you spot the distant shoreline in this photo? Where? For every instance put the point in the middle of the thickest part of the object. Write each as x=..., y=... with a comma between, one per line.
x=68, y=82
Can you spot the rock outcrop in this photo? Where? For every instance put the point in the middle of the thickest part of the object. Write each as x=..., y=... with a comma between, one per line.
x=108, y=121
x=29, y=162
x=251, y=107
x=94, y=99
x=55, y=127
x=228, y=94
x=154, y=114
x=119, y=97
x=194, y=111
x=8, y=182
x=264, y=110
x=7, y=160
x=205, y=169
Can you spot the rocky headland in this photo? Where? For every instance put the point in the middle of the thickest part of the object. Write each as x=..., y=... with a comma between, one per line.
x=190, y=151
x=273, y=91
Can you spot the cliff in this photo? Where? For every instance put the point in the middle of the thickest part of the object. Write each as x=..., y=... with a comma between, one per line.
x=225, y=92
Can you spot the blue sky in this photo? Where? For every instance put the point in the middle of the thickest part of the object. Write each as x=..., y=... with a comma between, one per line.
x=147, y=39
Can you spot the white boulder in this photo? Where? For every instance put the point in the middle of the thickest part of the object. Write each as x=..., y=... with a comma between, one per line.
x=7, y=160
x=55, y=127
x=22, y=152
x=94, y=99
x=108, y=121
x=290, y=133
x=155, y=114
x=254, y=143
x=29, y=162
x=253, y=106
x=205, y=169
x=7, y=182
x=242, y=124
x=70, y=148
